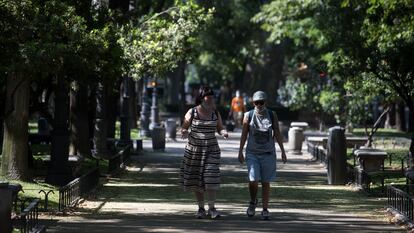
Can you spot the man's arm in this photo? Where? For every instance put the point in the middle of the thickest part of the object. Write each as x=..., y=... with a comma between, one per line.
x=243, y=138
x=278, y=136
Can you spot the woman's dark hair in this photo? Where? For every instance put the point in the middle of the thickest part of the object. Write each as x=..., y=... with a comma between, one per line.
x=202, y=92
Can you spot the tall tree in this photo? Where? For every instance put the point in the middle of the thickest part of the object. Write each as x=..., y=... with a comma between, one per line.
x=367, y=43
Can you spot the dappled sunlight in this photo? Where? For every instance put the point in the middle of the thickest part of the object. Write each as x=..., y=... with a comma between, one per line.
x=147, y=196
x=136, y=185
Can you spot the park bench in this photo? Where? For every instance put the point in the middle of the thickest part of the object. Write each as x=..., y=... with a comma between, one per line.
x=119, y=154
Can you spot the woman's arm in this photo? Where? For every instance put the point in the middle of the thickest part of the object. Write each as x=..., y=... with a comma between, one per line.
x=186, y=123
x=220, y=127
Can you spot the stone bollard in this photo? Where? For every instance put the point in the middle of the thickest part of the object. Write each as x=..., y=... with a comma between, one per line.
x=5, y=207
x=170, y=128
x=158, y=138
x=137, y=144
x=302, y=125
x=336, y=153
x=295, y=140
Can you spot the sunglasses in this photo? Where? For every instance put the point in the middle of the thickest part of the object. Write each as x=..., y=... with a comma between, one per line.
x=259, y=102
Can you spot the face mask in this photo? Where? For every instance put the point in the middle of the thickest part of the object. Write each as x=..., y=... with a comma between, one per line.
x=259, y=109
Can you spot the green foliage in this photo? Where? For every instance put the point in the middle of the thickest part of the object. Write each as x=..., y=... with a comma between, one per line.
x=299, y=95
x=330, y=102
x=229, y=41
x=157, y=44
x=368, y=44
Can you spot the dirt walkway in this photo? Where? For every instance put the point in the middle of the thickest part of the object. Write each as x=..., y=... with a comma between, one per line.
x=146, y=198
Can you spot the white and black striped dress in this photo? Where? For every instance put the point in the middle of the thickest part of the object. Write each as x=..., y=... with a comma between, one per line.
x=200, y=166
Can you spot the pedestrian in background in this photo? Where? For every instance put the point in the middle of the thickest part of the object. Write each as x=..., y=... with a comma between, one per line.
x=237, y=109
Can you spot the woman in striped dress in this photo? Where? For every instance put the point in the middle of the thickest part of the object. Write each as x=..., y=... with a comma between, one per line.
x=200, y=170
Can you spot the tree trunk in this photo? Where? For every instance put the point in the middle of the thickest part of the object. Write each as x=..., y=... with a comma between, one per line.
x=400, y=116
x=410, y=104
x=100, y=132
x=125, y=114
x=133, y=105
x=172, y=87
x=15, y=144
x=80, y=144
x=59, y=171
x=181, y=88
x=111, y=99
x=266, y=76
x=390, y=120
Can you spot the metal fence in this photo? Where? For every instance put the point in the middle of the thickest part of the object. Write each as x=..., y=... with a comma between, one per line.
x=72, y=192
x=318, y=153
x=401, y=201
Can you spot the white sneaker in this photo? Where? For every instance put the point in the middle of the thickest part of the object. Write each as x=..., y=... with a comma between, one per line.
x=213, y=213
x=251, y=210
x=201, y=213
x=265, y=215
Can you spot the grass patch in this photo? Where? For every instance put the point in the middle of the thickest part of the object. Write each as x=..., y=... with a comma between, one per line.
x=382, y=133
x=31, y=191
x=33, y=127
x=135, y=134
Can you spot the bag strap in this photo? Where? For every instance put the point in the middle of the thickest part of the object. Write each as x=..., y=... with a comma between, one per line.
x=251, y=115
x=192, y=115
x=271, y=118
x=193, y=112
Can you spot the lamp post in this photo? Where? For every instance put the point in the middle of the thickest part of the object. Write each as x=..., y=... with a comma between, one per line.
x=145, y=110
x=154, y=107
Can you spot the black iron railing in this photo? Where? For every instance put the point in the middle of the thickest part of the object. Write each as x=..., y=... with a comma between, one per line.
x=28, y=220
x=401, y=201
x=318, y=152
x=72, y=192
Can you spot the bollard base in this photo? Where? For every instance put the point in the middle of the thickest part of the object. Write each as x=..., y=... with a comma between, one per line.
x=296, y=152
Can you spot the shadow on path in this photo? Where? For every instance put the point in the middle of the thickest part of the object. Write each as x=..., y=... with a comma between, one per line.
x=147, y=198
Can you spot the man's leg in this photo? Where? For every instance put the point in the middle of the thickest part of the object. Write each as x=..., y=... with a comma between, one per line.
x=253, y=187
x=265, y=194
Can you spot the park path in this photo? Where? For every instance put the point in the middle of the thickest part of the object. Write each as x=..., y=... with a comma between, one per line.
x=146, y=198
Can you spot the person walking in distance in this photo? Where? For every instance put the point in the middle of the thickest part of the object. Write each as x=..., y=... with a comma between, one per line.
x=237, y=109
x=260, y=128
x=200, y=172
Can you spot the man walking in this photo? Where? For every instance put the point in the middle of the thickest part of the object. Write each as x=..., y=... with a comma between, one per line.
x=261, y=129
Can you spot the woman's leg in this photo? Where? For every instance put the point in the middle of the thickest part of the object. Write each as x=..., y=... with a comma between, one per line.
x=211, y=198
x=200, y=199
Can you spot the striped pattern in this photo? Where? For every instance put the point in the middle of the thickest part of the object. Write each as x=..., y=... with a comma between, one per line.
x=200, y=166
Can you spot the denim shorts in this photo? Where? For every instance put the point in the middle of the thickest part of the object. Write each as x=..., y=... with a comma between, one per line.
x=261, y=167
